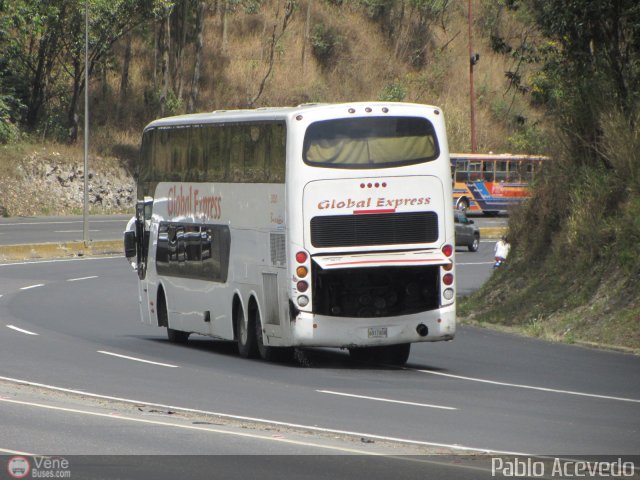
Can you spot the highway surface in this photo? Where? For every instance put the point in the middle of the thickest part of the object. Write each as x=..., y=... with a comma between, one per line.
x=74, y=325
x=29, y=230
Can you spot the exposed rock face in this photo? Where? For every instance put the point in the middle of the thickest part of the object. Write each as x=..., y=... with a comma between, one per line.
x=45, y=184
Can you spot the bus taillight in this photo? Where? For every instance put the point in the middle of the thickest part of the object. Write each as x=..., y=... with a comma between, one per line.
x=301, y=257
x=447, y=250
x=302, y=286
x=447, y=279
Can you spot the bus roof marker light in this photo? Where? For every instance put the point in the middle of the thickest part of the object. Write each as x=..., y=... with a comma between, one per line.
x=385, y=110
x=437, y=112
x=368, y=109
x=352, y=110
x=299, y=117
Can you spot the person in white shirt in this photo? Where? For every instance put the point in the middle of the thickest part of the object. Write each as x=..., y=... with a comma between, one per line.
x=501, y=251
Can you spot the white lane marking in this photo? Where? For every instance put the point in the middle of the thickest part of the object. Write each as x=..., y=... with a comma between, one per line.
x=267, y=421
x=473, y=263
x=16, y=452
x=73, y=231
x=21, y=330
x=62, y=260
x=529, y=387
x=191, y=427
x=137, y=359
x=82, y=278
x=386, y=400
x=33, y=286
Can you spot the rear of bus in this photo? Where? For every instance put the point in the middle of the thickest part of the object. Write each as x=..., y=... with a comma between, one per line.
x=370, y=225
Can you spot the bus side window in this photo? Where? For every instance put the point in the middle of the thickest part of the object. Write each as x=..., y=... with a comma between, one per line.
x=502, y=172
x=462, y=173
x=254, y=153
x=179, y=141
x=275, y=168
x=236, y=154
x=475, y=171
x=526, y=171
x=488, y=167
x=219, y=162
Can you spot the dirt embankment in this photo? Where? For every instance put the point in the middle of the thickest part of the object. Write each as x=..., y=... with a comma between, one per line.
x=46, y=183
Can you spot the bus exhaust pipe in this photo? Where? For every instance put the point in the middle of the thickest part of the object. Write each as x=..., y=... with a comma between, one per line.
x=422, y=330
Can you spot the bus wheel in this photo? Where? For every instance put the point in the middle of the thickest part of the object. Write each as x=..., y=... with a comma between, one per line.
x=174, y=336
x=397, y=354
x=270, y=354
x=177, y=336
x=246, y=334
x=388, y=354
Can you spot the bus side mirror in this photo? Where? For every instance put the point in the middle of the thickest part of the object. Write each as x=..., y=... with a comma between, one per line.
x=130, y=244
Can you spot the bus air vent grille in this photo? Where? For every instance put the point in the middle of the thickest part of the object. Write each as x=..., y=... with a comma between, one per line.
x=278, y=253
x=374, y=229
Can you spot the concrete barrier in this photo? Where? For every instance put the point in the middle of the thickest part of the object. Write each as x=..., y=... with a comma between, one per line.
x=41, y=251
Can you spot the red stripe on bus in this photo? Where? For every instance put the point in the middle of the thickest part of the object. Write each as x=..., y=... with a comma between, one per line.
x=366, y=212
x=415, y=260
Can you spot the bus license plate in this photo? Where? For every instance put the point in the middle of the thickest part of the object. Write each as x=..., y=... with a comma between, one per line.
x=377, y=332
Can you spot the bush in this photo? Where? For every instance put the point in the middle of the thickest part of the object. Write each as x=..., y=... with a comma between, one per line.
x=9, y=132
x=394, y=92
x=326, y=43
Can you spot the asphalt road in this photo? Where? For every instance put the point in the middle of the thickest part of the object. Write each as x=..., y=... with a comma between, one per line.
x=24, y=230
x=74, y=324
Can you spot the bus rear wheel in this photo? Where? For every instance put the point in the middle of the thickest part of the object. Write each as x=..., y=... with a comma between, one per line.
x=245, y=332
x=388, y=354
x=177, y=336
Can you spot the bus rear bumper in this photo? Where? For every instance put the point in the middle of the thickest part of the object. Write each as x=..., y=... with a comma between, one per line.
x=325, y=331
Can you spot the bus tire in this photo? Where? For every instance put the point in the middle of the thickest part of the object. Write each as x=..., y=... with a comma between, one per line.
x=174, y=336
x=177, y=336
x=396, y=355
x=247, y=346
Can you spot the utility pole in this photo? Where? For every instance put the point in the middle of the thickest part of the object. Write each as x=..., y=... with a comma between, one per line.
x=473, y=59
x=85, y=202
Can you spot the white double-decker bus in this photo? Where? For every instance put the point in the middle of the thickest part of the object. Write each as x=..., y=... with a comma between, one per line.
x=317, y=225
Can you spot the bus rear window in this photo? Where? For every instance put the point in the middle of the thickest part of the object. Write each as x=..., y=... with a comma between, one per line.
x=372, y=142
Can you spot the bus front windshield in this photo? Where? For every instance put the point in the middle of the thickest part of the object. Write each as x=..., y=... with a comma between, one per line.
x=370, y=142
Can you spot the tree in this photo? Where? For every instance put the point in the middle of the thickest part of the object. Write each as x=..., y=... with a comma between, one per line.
x=195, y=80
x=590, y=54
x=45, y=44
